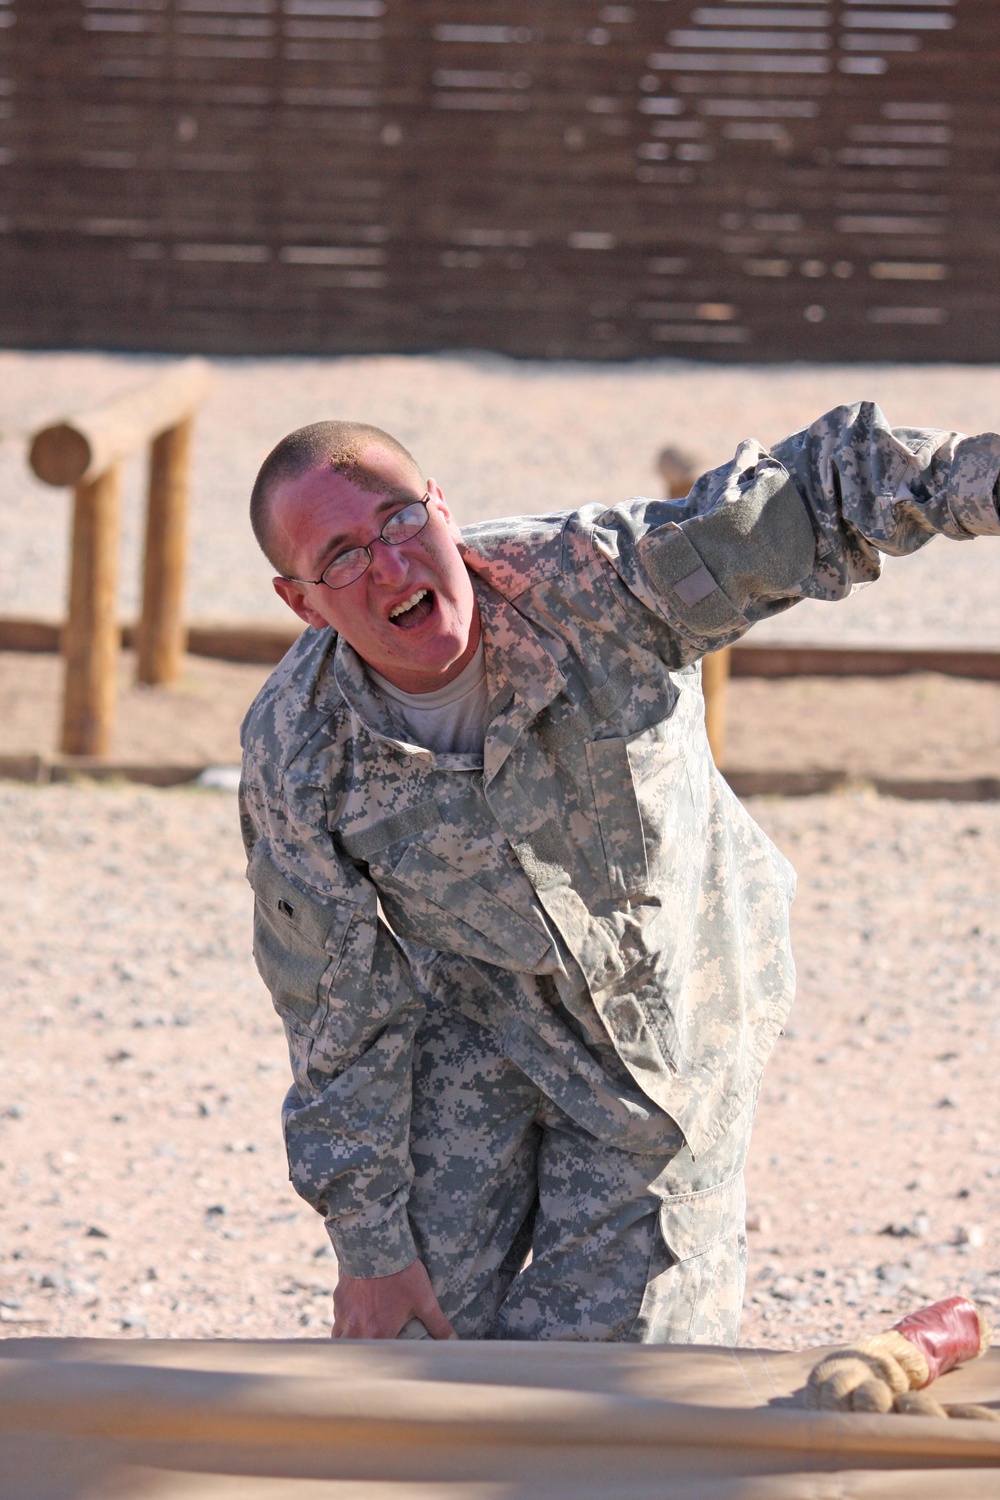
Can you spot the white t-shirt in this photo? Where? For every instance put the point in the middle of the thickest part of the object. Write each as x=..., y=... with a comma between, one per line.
x=450, y=720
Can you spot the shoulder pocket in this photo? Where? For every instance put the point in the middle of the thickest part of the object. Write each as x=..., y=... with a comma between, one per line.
x=297, y=942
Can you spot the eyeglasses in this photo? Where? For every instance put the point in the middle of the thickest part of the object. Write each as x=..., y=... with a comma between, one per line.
x=347, y=567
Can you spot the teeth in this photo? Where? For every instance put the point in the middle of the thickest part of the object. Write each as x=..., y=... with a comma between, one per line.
x=401, y=609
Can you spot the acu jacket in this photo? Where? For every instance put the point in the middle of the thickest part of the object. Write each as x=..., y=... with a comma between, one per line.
x=588, y=888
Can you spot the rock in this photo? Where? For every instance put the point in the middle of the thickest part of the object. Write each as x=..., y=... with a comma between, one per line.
x=758, y=1222
x=972, y=1235
x=917, y=1228
x=220, y=779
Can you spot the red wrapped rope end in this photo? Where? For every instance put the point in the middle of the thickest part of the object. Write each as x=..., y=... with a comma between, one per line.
x=947, y=1333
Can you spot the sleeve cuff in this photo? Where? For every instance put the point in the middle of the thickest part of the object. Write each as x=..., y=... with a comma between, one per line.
x=372, y=1244
x=974, y=499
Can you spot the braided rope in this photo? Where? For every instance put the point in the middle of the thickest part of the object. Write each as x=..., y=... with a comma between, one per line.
x=886, y=1372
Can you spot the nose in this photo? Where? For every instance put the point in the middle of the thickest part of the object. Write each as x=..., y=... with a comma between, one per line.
x=389, y=564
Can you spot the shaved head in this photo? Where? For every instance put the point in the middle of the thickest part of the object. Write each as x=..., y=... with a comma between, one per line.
x=347, y=448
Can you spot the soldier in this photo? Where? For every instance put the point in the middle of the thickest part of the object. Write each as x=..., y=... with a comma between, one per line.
x=530, y=953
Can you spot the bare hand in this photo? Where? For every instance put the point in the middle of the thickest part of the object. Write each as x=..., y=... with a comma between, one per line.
x=377, y=1307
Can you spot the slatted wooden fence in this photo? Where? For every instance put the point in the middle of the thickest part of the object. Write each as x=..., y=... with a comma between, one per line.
x=750, y=179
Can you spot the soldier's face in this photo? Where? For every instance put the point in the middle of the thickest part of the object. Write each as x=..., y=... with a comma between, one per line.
x=412, y=615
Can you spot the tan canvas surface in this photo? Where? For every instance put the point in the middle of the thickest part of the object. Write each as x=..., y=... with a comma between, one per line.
x=93, y=1420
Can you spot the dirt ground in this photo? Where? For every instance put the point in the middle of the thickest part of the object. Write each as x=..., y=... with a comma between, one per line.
x=143, y=1189
x=924, y=725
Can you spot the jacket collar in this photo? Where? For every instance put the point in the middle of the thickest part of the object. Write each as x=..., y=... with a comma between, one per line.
x=522, y=677
x=522, y=674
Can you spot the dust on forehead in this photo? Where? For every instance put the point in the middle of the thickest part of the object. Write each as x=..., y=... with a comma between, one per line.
x=348, y=448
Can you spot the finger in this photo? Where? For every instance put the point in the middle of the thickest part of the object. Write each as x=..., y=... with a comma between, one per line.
x=435, y=1322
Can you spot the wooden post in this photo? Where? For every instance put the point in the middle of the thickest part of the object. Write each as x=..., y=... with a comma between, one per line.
x=679, y=469
x=85, y=451
x=161, y=626
x=714, y=679
x=92, y=636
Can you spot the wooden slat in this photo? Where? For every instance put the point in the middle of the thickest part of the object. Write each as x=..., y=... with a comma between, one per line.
x=169, y=138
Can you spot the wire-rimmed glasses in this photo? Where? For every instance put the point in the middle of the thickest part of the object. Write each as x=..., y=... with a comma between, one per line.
x=347, y=567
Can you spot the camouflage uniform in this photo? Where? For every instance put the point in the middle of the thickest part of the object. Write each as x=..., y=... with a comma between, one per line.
x=529, y=995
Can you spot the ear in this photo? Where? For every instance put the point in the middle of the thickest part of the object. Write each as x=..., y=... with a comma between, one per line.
x=439, y=503
x=295, y=597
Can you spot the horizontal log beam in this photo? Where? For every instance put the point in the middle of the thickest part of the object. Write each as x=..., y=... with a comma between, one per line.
x=823, y=783
x=262, y=645
x=766, y=660
x=79, y=448
x=43, y=769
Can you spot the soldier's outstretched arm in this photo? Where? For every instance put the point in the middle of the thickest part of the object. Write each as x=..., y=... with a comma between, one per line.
x=806, y=519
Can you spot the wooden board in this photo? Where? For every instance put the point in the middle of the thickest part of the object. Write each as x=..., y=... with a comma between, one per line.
x=555, y=179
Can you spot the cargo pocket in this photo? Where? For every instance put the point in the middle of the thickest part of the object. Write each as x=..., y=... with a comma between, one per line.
x=692, y=1223
x=297, y=943
x=697, y=1272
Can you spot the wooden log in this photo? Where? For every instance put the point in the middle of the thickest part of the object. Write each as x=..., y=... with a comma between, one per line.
x=256, y=644
x=161, y=625
x=679, y=468
x=79, y=448
x=30, y=635
x=91, y=640
x=714, y=679
x=806, y=659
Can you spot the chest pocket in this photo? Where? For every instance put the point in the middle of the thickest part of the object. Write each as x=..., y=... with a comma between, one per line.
x=618, y=816
x=432, y=903
x=297, y=943
x=642, y=795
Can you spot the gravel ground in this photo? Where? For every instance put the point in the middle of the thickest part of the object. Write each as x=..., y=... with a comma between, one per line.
x=502, y=437
x=142, y=1183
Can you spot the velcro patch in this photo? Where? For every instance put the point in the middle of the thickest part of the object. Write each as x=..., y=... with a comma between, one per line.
x=695, y=587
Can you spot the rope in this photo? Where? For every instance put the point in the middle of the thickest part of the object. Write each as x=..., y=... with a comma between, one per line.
x=887, y=1372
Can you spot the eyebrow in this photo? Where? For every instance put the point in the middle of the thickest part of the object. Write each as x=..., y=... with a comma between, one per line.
x=390, y=502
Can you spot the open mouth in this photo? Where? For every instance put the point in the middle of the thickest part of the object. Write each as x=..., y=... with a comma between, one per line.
x=412, y=611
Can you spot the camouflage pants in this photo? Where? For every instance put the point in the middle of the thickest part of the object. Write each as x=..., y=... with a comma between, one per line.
x=623, y=1246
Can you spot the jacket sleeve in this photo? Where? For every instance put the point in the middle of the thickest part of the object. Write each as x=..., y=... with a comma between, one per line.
x=345, y=994
x=806, y=520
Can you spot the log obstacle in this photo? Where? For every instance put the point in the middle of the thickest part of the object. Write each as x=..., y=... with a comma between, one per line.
x=679, y=468
x=86, y=452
